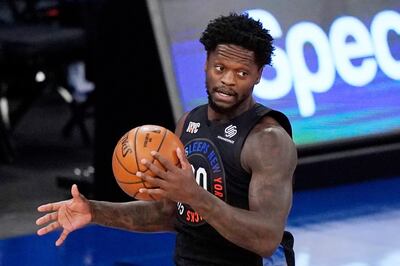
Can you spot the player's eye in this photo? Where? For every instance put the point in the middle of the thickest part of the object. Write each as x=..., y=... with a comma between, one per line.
x=242, y=73
x=219, y=68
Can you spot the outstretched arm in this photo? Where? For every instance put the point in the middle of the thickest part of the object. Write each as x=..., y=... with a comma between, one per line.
x=78, y=212
x=142, y=216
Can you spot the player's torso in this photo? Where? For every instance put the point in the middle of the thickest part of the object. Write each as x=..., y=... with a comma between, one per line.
x=214, y=149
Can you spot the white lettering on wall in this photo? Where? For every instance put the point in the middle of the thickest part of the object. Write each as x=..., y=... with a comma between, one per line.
x=348, y=40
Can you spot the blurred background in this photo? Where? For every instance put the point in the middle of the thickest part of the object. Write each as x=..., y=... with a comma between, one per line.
x=75, y=75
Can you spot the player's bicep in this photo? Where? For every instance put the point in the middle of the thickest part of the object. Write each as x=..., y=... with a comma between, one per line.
x=272, y=197
x=271, y=156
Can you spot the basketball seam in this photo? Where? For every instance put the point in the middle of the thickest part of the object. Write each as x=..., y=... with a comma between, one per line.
x=128, y=183
x=123, y=166
x=161, y=143
x=158, y=149
x=134, y=148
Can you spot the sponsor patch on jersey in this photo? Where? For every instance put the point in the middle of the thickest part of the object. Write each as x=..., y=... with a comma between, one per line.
x=230, y=131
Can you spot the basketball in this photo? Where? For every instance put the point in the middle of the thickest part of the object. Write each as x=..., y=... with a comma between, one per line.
x=136, y=145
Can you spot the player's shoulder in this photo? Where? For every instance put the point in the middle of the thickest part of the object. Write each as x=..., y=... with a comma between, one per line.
x=268, y=125
x=268, y=131
x=271, y=117
x=180, y=123
x=268, y=139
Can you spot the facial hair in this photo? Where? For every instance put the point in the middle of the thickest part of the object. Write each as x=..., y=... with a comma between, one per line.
x=217, y=108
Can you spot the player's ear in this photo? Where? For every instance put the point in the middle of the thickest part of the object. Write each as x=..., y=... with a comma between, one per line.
x=259, y=75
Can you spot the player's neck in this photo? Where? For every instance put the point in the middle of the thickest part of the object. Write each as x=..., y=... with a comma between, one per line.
x=222, y=117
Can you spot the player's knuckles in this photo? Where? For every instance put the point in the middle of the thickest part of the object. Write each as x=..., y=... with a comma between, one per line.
x=164, y=161
x=156, y=170
x=153, y=181
x=146, y=178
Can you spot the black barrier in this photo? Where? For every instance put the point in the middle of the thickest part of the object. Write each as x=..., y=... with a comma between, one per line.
x=130, y=87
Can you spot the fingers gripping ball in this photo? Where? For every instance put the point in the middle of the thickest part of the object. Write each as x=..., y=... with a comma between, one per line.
x=135, y=145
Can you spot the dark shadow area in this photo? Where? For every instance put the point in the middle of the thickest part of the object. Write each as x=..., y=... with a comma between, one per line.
x=51, y=135
x=348, y=161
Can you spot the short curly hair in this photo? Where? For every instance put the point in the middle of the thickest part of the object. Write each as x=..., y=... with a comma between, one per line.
x=241, y=30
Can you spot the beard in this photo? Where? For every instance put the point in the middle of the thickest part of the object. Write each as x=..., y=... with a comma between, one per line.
x=220, y=108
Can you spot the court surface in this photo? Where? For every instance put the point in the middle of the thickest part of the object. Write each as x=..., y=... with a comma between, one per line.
x=348, y=225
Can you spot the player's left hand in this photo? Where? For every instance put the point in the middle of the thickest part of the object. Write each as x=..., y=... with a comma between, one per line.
x=175, y=183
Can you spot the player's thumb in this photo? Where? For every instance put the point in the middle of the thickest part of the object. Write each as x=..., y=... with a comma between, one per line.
x=74, y=191
x=182, y=159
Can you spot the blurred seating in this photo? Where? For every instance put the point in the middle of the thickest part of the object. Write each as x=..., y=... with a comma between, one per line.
x=36, y=50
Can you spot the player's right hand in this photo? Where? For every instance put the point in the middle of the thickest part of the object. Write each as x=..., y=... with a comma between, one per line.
x=68, y=215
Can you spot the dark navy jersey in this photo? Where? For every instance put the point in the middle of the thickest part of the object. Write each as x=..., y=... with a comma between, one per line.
x=214, y=149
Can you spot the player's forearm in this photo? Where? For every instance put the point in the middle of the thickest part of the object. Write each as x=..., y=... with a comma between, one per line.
x=247, y=229
x=140, y=216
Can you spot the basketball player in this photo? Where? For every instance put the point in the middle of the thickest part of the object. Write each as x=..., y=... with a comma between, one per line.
x=230, y=199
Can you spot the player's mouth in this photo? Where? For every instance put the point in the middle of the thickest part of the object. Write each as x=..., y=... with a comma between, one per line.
x=224, y=94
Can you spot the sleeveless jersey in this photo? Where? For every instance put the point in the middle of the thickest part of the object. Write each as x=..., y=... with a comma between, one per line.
x=214, y=151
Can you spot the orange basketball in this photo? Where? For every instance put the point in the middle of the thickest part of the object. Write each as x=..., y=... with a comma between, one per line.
x=135, y=145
